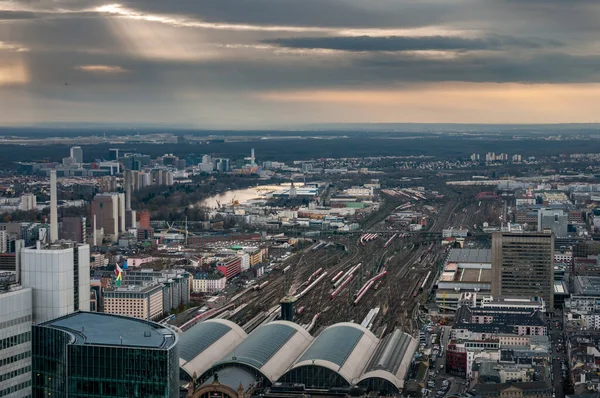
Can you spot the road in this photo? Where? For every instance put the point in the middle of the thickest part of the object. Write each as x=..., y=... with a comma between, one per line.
x=558, y=356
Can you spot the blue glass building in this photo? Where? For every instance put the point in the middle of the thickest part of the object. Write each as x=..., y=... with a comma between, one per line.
x=88, y=354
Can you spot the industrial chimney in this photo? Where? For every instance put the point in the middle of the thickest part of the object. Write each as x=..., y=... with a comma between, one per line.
x=127, y=180
x=53, y=208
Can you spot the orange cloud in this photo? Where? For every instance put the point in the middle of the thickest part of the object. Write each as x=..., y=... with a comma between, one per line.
x=450, y=103
x=101, y=68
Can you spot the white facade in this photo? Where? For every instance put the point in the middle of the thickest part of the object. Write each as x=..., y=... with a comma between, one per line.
x=15, y=338
x=135, y=302
x=50, y=272
x=28, y=202
x=245, y=261
x=3, y=241
x=565, y=257
x=205, y=285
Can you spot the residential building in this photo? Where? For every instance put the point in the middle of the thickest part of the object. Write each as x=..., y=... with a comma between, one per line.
x=96, y=354
x=15, y=338
x=523, y=265
x=208, y=283
x=28, y=202
x=59, y=275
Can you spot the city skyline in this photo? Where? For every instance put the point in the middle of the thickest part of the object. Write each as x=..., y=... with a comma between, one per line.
x=236, y=64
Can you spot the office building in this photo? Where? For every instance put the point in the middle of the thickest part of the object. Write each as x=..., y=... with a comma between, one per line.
x=15, y=338
x=59, y=275
x=74, y=229
x=176, y=285
x=230, y=266
x=77, y=154
x=137, y=301
x=28, y=202
x=93, y=354
x=553, y=220
x=113, y=154
x=523, y=265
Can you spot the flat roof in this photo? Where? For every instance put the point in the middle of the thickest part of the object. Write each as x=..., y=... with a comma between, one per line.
x=97, y=328
x=470, y=256
x=474, y=275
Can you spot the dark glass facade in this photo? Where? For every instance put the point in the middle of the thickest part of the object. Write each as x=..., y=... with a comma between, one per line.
x=314, y=376
x=64, y=369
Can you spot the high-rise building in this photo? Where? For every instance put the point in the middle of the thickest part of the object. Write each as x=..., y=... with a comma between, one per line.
x=523, y=265
x=94, y=354
x=28, y=202
x=113, y=154
x=143, y=219
x=74, y=229
x=109, y=209
x=77, y=154
x=15, y=338
x=59, y=275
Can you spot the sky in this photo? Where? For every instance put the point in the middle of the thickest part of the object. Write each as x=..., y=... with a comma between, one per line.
x=278, y=63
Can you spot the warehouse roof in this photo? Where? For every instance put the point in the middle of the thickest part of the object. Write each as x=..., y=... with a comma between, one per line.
x=96, y=328
x=470, y=256
x=271, y=348
x=392, y=358
x=205, y=342
x=343, y=348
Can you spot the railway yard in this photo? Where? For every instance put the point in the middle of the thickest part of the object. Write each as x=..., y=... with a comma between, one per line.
x=377, y=277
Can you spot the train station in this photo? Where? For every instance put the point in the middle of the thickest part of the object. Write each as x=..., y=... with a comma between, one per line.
x=218, y=357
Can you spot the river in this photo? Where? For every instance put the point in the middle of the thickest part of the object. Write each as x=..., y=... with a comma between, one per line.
x=243, y=195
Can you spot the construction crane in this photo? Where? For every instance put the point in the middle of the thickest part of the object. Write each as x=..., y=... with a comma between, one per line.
x=171, y=227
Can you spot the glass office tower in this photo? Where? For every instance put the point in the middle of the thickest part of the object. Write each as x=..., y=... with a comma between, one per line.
x=101, y=355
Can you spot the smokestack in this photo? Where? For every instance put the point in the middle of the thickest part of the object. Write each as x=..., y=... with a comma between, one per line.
x=252, y=156
x=95, y=233
x=53, y=208
x=127, y=181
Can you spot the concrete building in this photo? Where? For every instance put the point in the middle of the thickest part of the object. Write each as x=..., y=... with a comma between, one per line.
x=523, y=265
x=59, y=275
x=176, y=284
x=15, y=338
x=137, y=301
x=73, y=229
x=77, y=154
x=109, y=210
x=142, y=219
x=95, y=354
x=28, y=202
x=553, y=220
x=466, y=271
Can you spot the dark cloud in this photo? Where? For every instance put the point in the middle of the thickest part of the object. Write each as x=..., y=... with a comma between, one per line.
x=325, y=13
x=6, y=15
x=403, y=43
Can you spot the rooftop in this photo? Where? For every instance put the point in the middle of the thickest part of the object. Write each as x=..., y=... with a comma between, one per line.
x=95, y=328
x=587, y=285
x=470, y=256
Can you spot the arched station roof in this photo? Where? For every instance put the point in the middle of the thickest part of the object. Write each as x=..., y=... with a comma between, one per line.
x=341, y=348
x=204, y=344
